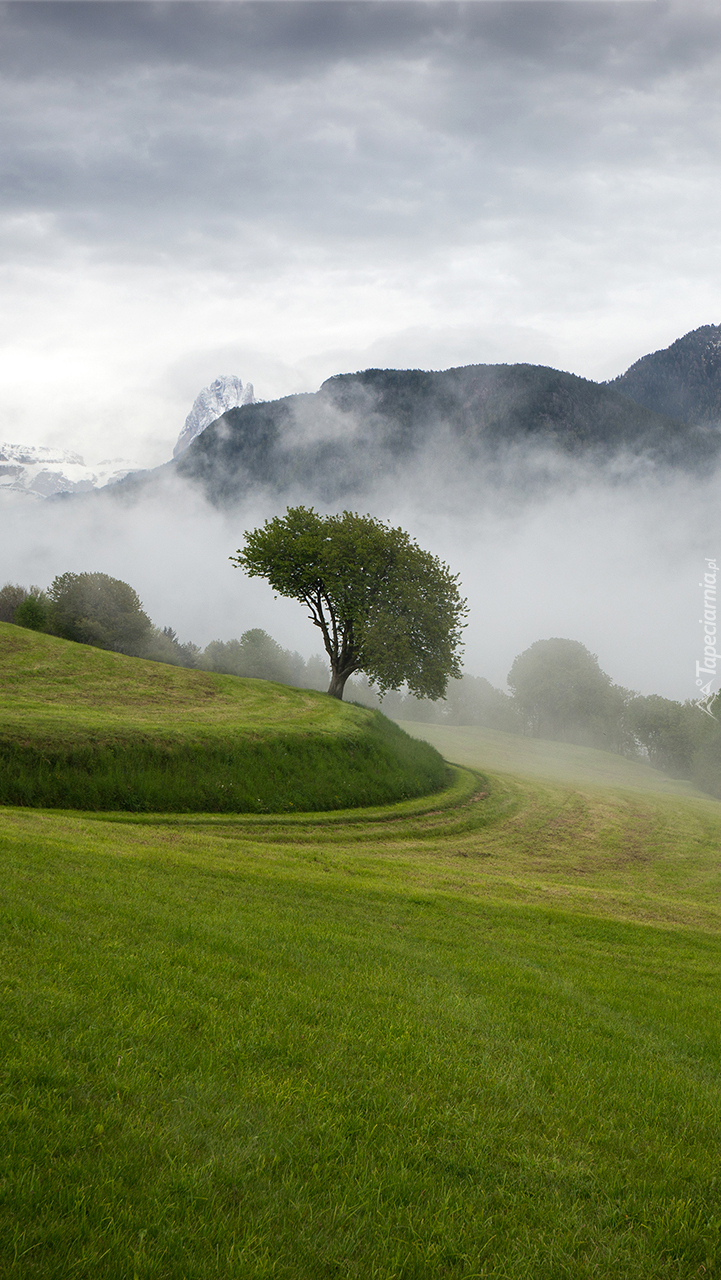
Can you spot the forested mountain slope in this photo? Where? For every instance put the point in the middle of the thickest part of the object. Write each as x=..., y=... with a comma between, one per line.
x=338, y=442
x=683, y=380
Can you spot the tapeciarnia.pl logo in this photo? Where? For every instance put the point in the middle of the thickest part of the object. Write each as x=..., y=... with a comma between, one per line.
x=706, y=670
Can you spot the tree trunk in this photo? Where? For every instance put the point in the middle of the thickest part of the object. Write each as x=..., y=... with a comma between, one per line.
x=337, y=683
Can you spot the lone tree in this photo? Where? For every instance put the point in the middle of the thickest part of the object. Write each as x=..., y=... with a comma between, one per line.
x=382, y=605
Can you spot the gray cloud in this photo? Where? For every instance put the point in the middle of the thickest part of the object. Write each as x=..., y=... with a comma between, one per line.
x=140, y=128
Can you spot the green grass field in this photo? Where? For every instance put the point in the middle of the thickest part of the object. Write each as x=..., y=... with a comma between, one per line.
x=471, y=1035
x=536, y=758
x=84, y=728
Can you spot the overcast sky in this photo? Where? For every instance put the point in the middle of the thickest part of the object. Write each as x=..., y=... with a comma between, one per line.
x=286, y=191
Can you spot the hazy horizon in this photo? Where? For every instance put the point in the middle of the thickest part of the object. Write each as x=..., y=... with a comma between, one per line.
x=612, y=562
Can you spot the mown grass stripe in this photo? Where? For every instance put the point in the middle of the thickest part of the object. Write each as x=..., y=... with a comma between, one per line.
x=270, y=1069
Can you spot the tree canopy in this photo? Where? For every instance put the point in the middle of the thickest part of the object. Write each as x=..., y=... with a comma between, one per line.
x=382, y=604
x=672, y=733
x=256, y=655
x=11, y=595
x=25, y=608
x=96, y=609
x=562, y=694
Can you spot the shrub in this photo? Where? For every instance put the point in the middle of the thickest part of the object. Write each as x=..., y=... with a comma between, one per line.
x=33, y=612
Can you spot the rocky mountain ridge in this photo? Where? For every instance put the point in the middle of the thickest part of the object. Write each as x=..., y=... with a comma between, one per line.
x=514, y=425
x=39, y=471
x=226, y=392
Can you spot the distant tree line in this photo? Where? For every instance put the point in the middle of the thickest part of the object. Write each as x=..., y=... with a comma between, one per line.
x=95, y=609
x=559, y=693
x=558, y=690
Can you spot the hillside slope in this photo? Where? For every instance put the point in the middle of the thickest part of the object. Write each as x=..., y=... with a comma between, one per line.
x=359, y=427
x=558, y=762
x=470, y=1036
x=86, y=728
x=683, y=380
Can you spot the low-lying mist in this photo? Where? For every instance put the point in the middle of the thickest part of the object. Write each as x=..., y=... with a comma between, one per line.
x=545, y=545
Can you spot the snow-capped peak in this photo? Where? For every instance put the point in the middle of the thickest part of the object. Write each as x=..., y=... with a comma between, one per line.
x=227, y=392
x=30, y=455
x=41, y=472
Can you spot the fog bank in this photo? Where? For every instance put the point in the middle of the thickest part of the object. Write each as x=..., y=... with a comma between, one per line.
x=613, y=564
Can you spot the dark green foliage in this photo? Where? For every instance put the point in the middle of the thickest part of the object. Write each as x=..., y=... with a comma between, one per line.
x=493, y=405
x=33, y=612
x=29, y=609
x=682, y=381
x=95, y=609
x=256, y=655
x=382, y=605
x=164, y=646
x=562, y=694
x=92, y=608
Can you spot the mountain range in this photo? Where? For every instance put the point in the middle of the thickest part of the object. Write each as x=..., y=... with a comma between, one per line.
x=516, y=426
x=512, y=424
x=42, y=472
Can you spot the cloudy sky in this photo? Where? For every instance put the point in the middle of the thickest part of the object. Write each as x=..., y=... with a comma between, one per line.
x=286, y=191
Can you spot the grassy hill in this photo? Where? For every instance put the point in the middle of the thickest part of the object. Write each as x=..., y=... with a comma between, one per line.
x=85, y=728
x=471, y=1035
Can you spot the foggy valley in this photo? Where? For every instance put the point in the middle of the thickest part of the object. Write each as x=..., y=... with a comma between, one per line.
x=568, y=509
